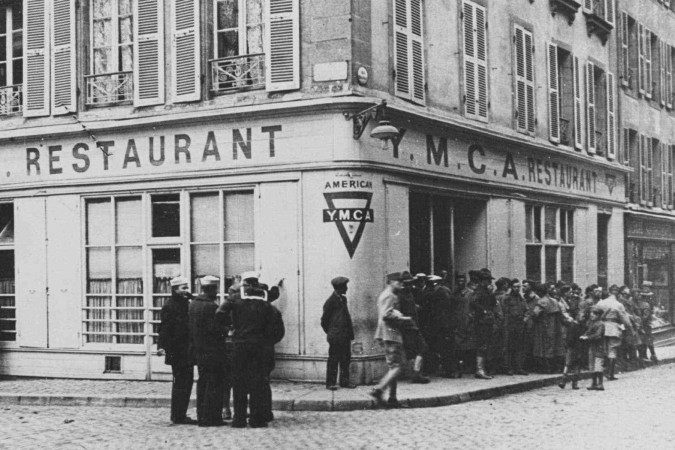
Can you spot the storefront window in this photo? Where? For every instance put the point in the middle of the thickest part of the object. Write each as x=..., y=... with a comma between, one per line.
x=552, y=259
x=166, y=215
x=7, y=298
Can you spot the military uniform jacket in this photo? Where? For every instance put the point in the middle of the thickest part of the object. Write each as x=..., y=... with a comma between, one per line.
x=336, y=320
x=207, y=333
x=174, y=331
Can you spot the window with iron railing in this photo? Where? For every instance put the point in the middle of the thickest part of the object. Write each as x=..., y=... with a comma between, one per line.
x=239, y=58
x=11, y=58
x=110, y=80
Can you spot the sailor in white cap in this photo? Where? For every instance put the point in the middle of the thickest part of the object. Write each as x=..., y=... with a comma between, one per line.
x=174, y=343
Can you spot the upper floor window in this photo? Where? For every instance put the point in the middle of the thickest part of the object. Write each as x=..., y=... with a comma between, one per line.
x=524, y=80
x=646, y=162
x=11, y=57
x=474, y=22
x=564, y=90
x=410, y=80
x=600, y=111
x=667, y=176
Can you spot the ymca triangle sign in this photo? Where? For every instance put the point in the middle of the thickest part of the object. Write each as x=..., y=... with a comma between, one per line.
x=350, y=211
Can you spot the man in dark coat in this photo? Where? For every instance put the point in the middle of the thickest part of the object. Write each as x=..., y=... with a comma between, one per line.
x=514, y=308
x=337, y=324
x=174, y=343
x=207, y=347
x=441, y=333
x=253, y=321
x=483, y=306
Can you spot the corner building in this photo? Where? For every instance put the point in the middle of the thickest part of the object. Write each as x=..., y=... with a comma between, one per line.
x=646, y=51
x=143, y=139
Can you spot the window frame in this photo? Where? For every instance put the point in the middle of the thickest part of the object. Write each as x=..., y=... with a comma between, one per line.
x=242, y=26
x=10, y=247
x=115, y=43
x=10, y=60
x=526, y=31
x=559, y=242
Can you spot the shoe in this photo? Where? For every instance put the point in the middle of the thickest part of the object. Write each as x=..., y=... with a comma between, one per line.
x=654, y=359
x=185, y=421
x=257, y=424
x=482, y=376
x=238, y=424
x=393, y=403
x=227, y=415
x=348, y=386
x=377, y=395
x=612, y=378
x=332, y=388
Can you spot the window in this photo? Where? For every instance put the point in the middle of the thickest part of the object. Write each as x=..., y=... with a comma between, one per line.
x=11, y=57
x=631, y=155
x=431, y=238
x=564, y=99
x=552, y=257
x=474, y=23
x=410, y=80
x=238, y=45
x=629, y=52
x=666, y=176
x=648, y=84
x=646, y=173
x=524, y=80
x=7, y=276
x=111, y=65
x=600, y=111
x=670, y=88
x=655, y=56
x=123, y=257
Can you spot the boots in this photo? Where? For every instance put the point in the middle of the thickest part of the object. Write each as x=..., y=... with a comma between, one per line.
x=654, y=359
x=612, y=367
x=575, y=381
x=594, y=384
x=480, y=369
x=392, y=402
x=600, y=386
x=563, y=383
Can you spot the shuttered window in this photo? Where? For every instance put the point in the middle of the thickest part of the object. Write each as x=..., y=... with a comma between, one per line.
x=185, y=48
x=553, y=94
x=524, y=80
x=590, y=108
x=669, y=76
x=64, y=99
x=663, y=60
x=475, y=61
x=578, y=106
x=666, y=177
x=282, y=38
x=410, y=80
x=611, y=116
x=149, y=50
x=624, y=66
x=36, y=62
x=11, y=58
x=641, y=58
x=647, y=43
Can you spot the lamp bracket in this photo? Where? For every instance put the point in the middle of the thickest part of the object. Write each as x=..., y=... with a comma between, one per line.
x=361, y=119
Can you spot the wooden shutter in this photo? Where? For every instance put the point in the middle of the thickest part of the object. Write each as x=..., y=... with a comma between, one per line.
x=63, y=81
x=625, y=62
x=282, y=38
x=665, y=198
x=590, y=108
x=588, y=5
x=524, y=71
x=609, y=11
x=662, y=72
x=650, y=171
x=475, y=61
x=185, y=51
x=553, y=94
x=641, y=58
x=648, y=63
x=402, y=49
x=669, y=76
x=578, y=107
x=36, y=61
x=469, y=53
x=642, y=172
x=611, y=116
x=148, y=52
x=417, y=51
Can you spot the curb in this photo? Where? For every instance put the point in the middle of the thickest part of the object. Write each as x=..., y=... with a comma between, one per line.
x=303, y=404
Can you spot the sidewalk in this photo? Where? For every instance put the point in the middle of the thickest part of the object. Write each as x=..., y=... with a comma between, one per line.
x=287, y=396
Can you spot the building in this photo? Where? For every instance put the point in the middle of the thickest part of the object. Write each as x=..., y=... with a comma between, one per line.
x=145, y=139
x=646, y=52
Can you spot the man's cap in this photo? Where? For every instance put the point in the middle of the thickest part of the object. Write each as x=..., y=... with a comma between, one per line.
x=647, y=283
x=406, y=276
x=209, y=281
x=420, y=275
x=613, y=287
x=339, y=281
x=434, y=278
x=178, y=281
x=485, y=274
x=394, y=276
x=250, y=275
x=474, y=275
x=515, y=281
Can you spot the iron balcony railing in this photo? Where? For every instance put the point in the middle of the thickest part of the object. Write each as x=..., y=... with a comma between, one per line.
x=109, y=88
x=237, y=73
x=11, y=99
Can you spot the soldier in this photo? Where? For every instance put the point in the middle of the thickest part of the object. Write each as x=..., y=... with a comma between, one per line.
x=646, y=312
x=207, y=347
x=413, y=342
x=483, y=307
x=465, y=338
x=337, y=324
x=531, y=300
x=388, y=333
x=441, y=335
x=514, y=309
x=614, y=317
x=174, y=343
x=254, y=326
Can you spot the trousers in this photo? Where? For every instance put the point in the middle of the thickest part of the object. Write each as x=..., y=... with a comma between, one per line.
x=210, y=394
x=339, y=355
x=183, y=377
x=250, y=372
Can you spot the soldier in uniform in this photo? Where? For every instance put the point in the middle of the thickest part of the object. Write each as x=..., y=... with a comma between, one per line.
x=646, y=312
x=514, y=309
x=441, y=335
x=253, y=320
x=483, y=307
x=174, y=343
x=207, y=347
x=337, y=324
x=465, y=339
x=414, y=345
x=614, y=317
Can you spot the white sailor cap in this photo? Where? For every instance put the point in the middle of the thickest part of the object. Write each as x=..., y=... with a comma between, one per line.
x=209, y=281
x=250, y=275
x=177, y=281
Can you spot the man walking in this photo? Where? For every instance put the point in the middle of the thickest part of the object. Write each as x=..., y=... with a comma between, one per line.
x=614, y=316
x=174, y=343
x=389, y=322
x=207, y=347
x=337, y=324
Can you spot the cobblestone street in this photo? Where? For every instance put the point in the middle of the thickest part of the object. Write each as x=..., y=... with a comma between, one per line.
x=634, y=412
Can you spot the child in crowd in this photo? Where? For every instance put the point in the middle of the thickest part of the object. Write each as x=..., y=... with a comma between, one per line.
x=595, y=336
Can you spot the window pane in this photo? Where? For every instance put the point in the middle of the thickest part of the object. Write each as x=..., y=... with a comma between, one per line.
x=102, y=33
x=165, y=265
x=551, y=254
x=528, y=223
x=550, y=223
x=131, y=315
x=7, y=272
x=205, y=261
x=165, y=215
x=17, y=16
x=238, y=259
x=3, y=20
x=129, y=270
x=17, y=45
x=101, y=60
x=99, y=273
x=533, y=262
x=3, y=73
x=125, y=7
x=228, y=43
x=570, y=227
x=129, y=221
x=238, y=210
x=204, y=218
x=567, y=264
x=3, y=48
x=563, y=226
x=537, y=223
x=98, y=222
x=125, y=31
x=6, y=223
x=227, y=14
x=102, y=8
x=17, y=71
x=99, y=311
